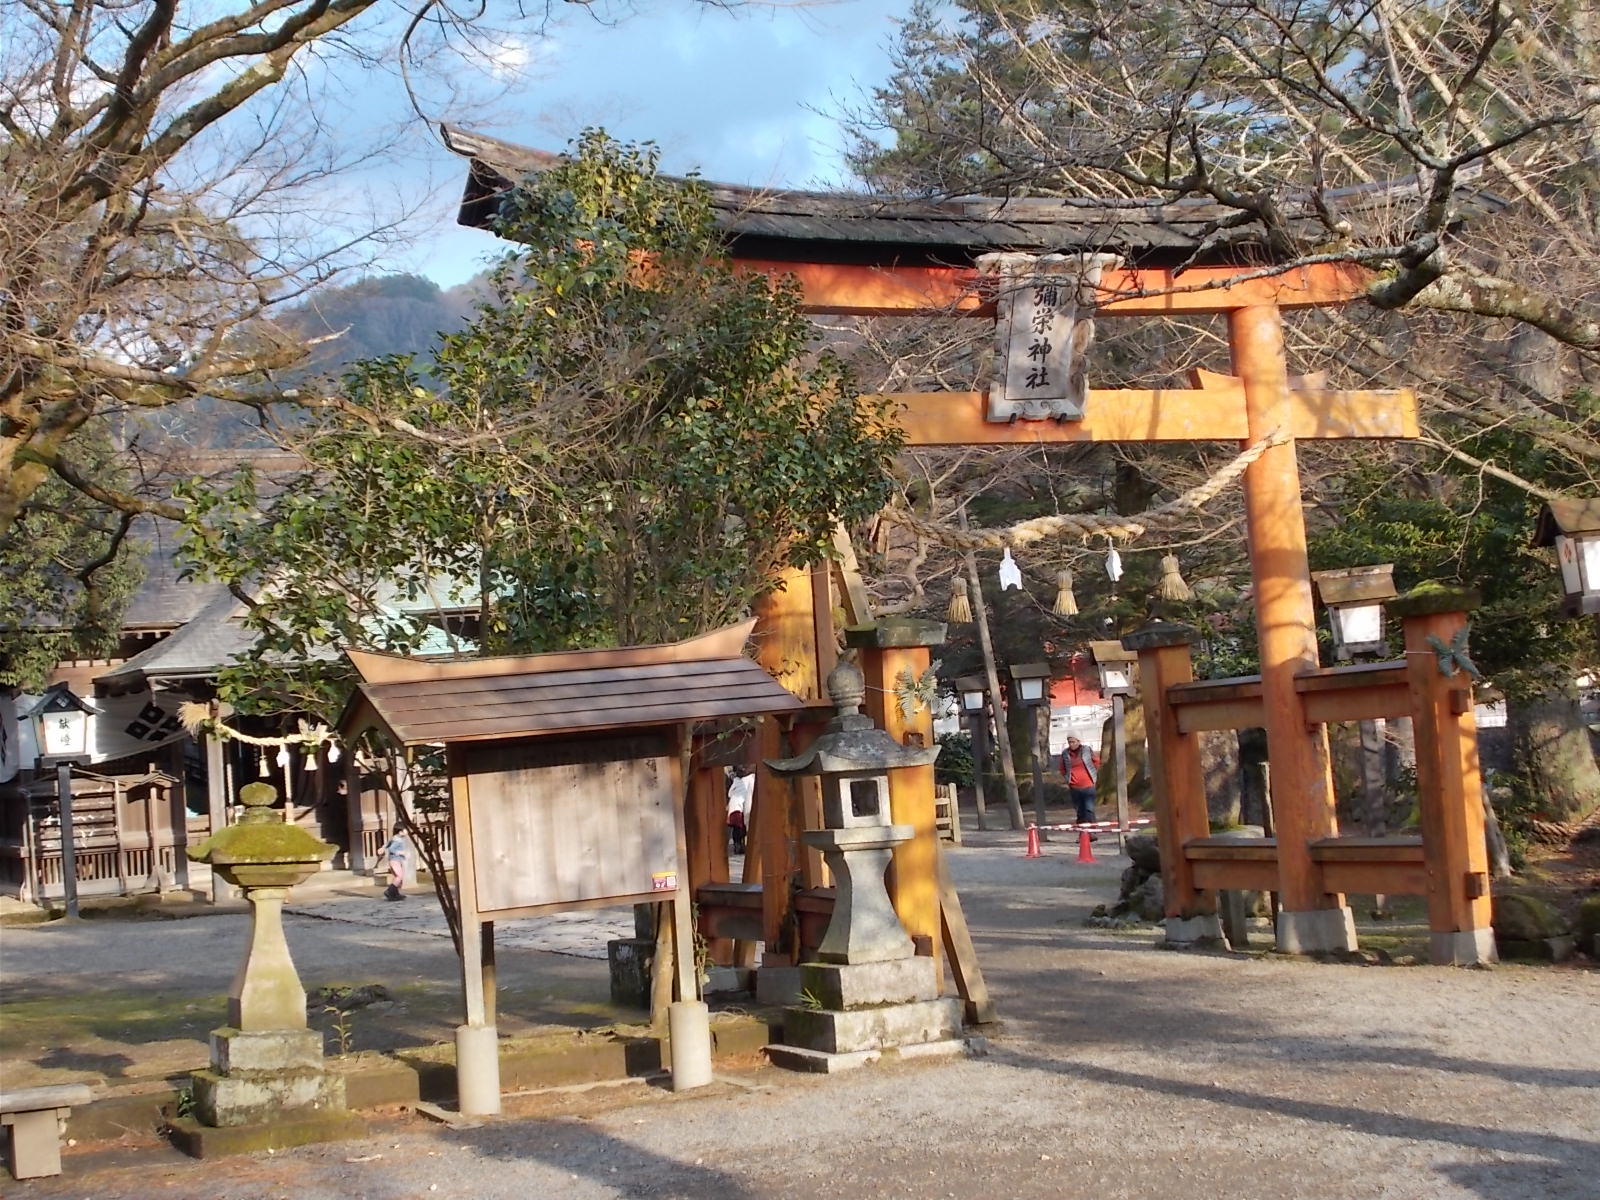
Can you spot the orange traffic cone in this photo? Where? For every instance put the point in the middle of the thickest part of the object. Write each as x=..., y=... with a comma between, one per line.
x=1033, y=843
x=1085, y=846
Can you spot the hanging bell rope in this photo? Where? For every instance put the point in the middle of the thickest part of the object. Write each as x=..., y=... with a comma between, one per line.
x=960, y=606
x=1172, y=585
x=1066, y=604
x=1083, y=525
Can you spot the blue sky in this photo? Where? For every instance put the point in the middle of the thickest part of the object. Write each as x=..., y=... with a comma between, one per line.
x=744, y=96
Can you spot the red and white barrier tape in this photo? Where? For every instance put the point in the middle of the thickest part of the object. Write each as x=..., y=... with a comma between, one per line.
x=1099, y=826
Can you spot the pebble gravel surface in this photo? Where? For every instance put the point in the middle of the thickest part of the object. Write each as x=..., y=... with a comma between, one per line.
x=1120, y=1070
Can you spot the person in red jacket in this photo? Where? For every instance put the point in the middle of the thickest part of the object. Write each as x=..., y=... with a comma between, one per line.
x=1081, y=766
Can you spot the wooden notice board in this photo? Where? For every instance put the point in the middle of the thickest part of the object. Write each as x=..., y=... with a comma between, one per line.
x=572, y=823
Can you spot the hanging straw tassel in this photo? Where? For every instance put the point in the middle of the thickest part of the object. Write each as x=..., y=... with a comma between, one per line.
x=1066, y=603
x=960, y=607
x=1172, y=585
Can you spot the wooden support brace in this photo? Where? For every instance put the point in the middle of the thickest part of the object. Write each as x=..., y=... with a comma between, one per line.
x=958, y=948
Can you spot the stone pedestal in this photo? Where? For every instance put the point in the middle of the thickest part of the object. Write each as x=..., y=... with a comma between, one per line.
x=864, y=927
x=265, y=1076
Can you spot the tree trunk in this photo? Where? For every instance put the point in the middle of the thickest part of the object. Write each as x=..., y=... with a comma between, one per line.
x=1553, y=755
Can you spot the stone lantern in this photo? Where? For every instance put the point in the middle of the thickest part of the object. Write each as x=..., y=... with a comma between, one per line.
x=868, y=991
x=266, y=1065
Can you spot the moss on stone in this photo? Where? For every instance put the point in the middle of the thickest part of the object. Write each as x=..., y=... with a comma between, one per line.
x=1434, y=597
x=1526, y=919
x=261, y=844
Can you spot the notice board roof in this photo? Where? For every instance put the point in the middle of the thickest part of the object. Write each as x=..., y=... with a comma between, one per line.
x=572, y=692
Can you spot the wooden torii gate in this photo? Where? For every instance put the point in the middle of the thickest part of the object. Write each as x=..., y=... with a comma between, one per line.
x=1255, y=401
x=856, y=256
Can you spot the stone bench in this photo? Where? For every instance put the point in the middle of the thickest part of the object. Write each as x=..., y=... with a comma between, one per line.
x=37, y=1117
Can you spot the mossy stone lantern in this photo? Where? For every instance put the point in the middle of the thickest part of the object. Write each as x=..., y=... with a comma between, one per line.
x=265, y=1064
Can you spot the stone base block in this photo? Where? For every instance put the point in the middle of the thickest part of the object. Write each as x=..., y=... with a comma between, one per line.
x=1316, y=931
x=1551, y=949
x=872, y=1028
x=778, y=985
x=269, y=1050
x=203, y=1141
x=629, y=960
x=265, y=1097
x=1186, y=931
x=845, y=986
x=820, y=1062
x=720, y=980
x=1471, y=948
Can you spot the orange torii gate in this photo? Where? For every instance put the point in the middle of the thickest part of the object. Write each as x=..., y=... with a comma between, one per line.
x=858, y=256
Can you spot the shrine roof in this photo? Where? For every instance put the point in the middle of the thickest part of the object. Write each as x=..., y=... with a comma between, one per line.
x=843, y=227
x=573, y=692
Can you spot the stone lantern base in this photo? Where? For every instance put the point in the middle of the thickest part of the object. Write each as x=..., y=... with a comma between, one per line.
x=862, y=1010
x=265, y=1076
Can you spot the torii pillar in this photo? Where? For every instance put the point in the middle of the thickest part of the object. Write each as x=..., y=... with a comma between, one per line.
x=1310, y=919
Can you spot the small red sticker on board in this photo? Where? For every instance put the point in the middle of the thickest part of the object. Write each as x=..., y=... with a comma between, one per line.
x=664, y=881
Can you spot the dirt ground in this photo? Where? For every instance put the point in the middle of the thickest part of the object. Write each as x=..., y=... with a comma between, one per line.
x=1121, y=1070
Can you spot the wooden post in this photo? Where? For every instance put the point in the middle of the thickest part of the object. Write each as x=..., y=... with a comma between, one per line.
x=477, y=1041
x=474, y=1008
x=1002, y=738
x=1449, y=787
x=487, y=969
x=1035, y=714
x=353, y=815
x=687, y=974
x=1119, y=748
x=895, y=648
x=178, y=810
x=1176, y=776
x=217, y=808
x=1302, y=780
x=980, y=761
x=785, y=644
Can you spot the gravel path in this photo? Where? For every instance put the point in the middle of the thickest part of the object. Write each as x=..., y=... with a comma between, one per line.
x=1121, y=1071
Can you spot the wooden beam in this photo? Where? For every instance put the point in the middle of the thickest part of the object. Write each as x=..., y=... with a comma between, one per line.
x=847, y=289
x=1205, y=716
x=1211, y=413
x=847, y=574
x=958, y=948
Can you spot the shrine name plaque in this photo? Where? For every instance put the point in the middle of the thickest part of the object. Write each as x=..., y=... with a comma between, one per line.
x=573, y=822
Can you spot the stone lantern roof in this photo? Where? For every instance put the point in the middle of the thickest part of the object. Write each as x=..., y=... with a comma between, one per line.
x=852, y=744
